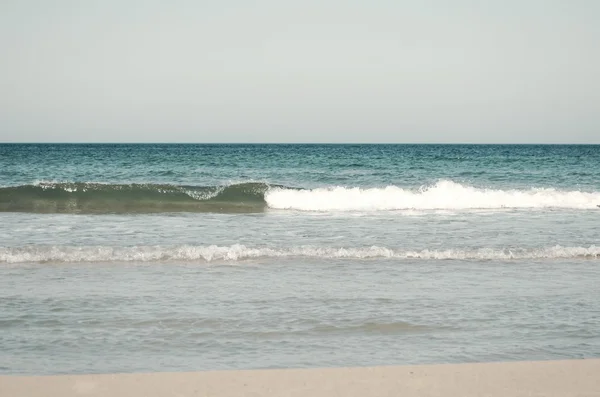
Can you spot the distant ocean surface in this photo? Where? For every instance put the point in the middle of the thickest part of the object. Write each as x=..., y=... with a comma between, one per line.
x=129, y=258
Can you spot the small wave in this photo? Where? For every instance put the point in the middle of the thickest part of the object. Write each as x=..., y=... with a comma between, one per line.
x=370, y=327
x=71, y=197
x=233, y=253
x=444, y=195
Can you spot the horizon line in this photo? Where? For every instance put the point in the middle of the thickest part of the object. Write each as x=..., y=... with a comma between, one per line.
x=297, y=143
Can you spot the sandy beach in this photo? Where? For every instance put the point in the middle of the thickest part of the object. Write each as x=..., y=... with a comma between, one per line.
x=542, y=378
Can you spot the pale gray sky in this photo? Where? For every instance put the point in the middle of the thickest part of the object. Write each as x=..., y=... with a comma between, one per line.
x=303, y=71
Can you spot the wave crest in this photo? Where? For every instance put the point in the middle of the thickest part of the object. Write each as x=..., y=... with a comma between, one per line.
x=237, y=252
x=444, y=195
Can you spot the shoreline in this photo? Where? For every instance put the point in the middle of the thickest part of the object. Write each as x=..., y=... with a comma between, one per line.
x=521, y=378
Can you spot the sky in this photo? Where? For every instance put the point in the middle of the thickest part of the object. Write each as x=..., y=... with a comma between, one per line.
x=389, y=71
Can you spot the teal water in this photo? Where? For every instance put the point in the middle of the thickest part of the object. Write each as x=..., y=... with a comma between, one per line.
x=307, y=166
x=127, y=258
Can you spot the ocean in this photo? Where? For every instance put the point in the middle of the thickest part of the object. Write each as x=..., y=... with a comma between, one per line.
x=160, y=257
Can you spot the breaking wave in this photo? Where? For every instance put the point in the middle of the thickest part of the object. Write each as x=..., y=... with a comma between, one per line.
x=444, y=194
x=213, y=253
x=47, y=197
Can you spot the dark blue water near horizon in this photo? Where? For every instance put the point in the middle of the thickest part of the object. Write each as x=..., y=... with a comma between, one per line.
x=304, y=165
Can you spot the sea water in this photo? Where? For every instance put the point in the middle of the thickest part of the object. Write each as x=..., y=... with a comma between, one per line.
x=128, y=258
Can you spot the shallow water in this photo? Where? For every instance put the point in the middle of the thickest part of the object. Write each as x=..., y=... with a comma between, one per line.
x=357, y=255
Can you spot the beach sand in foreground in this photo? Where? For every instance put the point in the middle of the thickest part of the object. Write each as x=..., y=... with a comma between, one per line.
x=541, y=378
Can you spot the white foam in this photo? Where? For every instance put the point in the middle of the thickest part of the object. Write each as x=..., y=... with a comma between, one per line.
x=444, y=195
x=189, y=253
